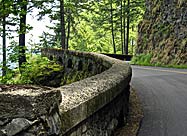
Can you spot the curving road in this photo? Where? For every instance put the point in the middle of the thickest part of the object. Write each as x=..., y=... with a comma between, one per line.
x=163, y=93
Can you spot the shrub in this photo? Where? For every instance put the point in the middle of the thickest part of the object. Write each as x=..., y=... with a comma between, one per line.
x=40, y=71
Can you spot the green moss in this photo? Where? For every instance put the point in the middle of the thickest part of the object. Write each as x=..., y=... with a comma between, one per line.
x=74, y=76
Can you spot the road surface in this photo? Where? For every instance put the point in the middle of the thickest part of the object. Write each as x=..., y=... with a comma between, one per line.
x=163, y=93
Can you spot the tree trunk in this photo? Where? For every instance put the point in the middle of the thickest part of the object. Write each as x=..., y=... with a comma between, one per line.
x=4, y=47
x=128, y=25
x=69, y=25
x=124, y=27
x=132, y=41
x=62, y=24
x=22, y=47
x=112, y=26
x=121, y=19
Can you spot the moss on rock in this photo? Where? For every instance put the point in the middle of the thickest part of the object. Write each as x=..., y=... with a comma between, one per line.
x=163, y=32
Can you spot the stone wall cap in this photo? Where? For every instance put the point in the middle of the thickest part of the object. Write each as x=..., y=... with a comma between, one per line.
x=27, y=101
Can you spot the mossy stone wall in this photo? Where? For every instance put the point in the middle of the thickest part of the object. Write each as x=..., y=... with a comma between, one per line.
x=163, y=31
x=94, y=106
x=77, y=65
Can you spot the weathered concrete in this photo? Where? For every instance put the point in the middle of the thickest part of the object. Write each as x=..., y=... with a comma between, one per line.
x=26, y=101
x=28, y=110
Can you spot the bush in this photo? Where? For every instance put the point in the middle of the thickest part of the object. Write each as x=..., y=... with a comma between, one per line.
x=40, y=71
x=37, y=70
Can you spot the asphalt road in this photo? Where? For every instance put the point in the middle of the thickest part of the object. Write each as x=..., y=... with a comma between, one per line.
x=163, y=93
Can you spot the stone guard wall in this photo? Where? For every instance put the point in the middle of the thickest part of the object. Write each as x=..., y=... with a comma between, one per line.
x=94, y=106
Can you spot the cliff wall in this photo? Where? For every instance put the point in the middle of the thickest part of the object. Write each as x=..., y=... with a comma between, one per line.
x=163, y=32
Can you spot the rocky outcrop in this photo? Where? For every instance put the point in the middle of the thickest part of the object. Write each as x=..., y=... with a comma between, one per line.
x=163, y=32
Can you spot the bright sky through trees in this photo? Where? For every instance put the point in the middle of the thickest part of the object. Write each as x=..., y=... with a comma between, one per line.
x=38, y=28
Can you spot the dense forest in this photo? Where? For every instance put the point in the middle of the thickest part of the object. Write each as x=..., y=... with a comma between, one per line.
x=103, y=26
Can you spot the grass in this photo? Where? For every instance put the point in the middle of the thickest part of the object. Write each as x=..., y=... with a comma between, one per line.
x=145, y=60
x=142, y=59
x=175, y=66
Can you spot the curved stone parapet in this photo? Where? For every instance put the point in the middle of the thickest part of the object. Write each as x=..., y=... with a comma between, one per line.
x=94, y=106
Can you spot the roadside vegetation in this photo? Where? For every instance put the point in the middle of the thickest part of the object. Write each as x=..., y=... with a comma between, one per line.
x=145, y=60
x=37, y=70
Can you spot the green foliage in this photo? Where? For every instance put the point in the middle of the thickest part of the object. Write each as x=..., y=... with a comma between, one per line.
x=90, y=22
x=145, y=60
x=10, y=76
x=41, y=71
x=90, y=30
x=142, y=59
x=13, y=52
x=38, y=70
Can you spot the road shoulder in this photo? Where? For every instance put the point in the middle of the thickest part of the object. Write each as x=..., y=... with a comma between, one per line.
x=134, y=118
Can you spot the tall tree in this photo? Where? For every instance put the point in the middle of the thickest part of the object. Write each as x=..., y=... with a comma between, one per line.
x=4, y=40
x=4, y=13
x=124, y=26
x=112, y=27
x=69, y=27
x=128, y=27
x=22, y=32
x=62, y=24
x=89, y=28
x=121, y=26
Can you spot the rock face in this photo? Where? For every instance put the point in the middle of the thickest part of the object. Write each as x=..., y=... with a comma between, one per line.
x=163, y=32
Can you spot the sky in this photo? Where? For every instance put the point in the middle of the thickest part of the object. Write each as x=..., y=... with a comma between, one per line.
x=38, y=27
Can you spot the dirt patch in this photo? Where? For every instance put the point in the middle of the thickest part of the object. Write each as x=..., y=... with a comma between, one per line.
x=134, y=118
